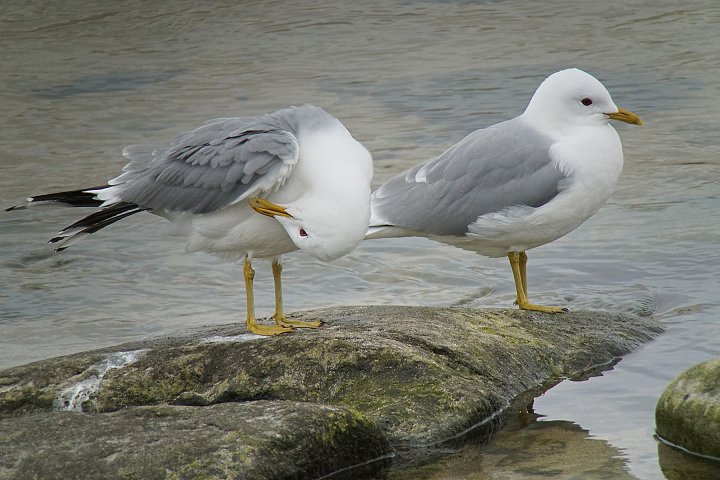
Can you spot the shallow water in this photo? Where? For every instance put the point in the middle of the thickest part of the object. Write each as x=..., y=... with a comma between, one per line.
x=408, y=79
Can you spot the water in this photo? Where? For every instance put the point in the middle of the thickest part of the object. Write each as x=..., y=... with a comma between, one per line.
x=72, y=398
x=408, y=79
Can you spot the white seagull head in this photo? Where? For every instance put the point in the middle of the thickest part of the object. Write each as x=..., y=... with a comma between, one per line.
x=331, y=215
x=322, y=233
x=572, y=98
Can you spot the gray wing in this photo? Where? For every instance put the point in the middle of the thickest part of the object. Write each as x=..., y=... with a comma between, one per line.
x=505, y=165
x=218, y=164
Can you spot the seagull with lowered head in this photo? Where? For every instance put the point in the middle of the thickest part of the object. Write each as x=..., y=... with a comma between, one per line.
x=243, y=188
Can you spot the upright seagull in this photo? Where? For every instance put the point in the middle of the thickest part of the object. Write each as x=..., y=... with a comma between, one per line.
x=515, y=185
x=244, y=187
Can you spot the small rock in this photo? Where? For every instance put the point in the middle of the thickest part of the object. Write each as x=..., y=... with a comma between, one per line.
x=688, y=412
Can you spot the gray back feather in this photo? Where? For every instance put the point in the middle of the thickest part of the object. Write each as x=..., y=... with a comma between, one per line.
x=220, y=163
x=505, y=165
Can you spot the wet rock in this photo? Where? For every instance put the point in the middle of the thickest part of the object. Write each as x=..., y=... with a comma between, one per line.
x=688, y=412
x=424, y=376
x=251, y=440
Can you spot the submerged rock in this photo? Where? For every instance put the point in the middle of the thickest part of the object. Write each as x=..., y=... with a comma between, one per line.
x=424, y=376
x=688, y=412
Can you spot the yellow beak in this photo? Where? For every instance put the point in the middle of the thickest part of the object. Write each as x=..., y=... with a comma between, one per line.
x=625, y=116
x=261, y=205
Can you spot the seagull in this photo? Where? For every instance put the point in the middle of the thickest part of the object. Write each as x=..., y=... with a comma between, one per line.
x=243, y=188
x=515, y=185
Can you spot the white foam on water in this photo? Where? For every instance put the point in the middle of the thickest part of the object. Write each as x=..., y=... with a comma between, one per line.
x=72, y=398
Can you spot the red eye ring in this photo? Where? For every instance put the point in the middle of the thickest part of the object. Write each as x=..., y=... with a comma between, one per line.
x=303, y=233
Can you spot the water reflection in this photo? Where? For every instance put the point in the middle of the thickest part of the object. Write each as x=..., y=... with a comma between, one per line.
x=677, y=465
x=560, y=450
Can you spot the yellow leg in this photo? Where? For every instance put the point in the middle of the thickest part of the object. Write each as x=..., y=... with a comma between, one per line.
x=522, y=256
x=279, y=315
x=251, y=322
x=518, y=263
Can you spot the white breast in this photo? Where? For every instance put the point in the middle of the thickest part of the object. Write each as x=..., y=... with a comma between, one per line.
x=592, y=159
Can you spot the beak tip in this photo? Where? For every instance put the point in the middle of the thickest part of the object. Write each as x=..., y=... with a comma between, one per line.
x=625, y=116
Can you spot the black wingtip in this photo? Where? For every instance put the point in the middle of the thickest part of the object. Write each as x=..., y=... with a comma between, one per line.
x=96, y=221
x=15, y=207
x=73, y=198
x=58, y=250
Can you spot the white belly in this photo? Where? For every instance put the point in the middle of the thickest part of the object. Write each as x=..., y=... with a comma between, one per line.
x=517, y=229
x=233, y=232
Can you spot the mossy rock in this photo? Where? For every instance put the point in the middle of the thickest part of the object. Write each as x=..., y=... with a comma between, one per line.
x=412, y=378
x=688, y=411
x=424, y=375
x=252, y=440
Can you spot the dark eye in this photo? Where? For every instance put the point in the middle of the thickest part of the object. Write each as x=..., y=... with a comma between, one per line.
x=303, y=233
x=586, y=101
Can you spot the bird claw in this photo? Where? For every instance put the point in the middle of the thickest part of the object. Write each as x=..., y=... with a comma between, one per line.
x=269, y=330
x=541, y=308
x=283, y=321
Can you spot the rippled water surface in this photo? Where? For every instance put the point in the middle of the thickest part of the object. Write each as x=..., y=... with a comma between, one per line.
x=409, y=79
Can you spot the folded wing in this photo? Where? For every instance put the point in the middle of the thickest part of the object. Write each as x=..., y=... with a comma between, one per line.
x=487, y=171
x=219, y=164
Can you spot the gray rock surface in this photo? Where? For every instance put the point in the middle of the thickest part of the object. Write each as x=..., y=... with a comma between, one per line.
x=688, y=411
x=424, y=376
x=250, y=440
